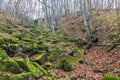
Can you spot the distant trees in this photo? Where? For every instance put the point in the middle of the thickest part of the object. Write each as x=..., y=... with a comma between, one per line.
x=50, y=11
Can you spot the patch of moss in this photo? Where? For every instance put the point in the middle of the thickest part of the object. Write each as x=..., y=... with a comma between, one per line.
x=32, y=48
x=1, y=40
x=18, y=35
x=41, y=58
x=22, y=76
x=109, y=48
x=3, y=54
x=28, y=66
x=71, y=59
x=80, y=52
x=7, y=64
x=108, y=77
x=40, y=68
x=10, y=48
x=7, y=30
x=72, y=28
x=11, y=40
x=65, y=65
x=53, y=56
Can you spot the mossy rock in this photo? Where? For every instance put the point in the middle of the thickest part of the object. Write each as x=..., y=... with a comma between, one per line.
x=80, y=52
x=78, y=42
x=32, y=49
x=10, y=66
x=3, y=46
x=70, y=59
x=1, y=40
x=108, y=77
x=36, y=47
x=40, y=68
x=65, y=65
x=28, y=66
x=53, y=57
x=27, y=39
x=18, y=35
x=3, y=54
x=7, y=30
x=41, y=58
x=22, y=76
x=27, y=48
x=10, y=48
x=7, y=64
x=11, y=40
x=48, y=64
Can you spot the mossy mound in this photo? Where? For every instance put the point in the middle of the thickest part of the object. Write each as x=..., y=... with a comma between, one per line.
x=109, y=77
x=22, y=76
x=39, y=52
x=7, y=64
x=28, y=66
x=65, y=65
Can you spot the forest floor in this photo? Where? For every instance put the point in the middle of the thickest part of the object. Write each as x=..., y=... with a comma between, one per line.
x=96, y=61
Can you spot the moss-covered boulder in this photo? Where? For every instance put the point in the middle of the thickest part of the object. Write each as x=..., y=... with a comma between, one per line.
x=22, y=76
x=1, y=40
x=28, y=66
x=32, y=48
x=41, y=58
x=53, y=56
x=65, y=65
x=11, y=40
x=40, y=68
x=7, y=64
x=3, y=54
x=70, y=59
x=10, y=48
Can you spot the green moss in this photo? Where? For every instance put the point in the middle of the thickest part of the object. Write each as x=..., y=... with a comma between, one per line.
x=41, y=58
x=28, y=66
x=22, y=76
x=3, y=46
x=80, y=52
x=40, y=68
x=27, y=48
x=12, y=66
x=53, y=56
x=3, y=54
x=71, y=59
x=1, y=40
x=27, y=39
x=56, y=65
x=11, y=40
x=18, y=35
x=7, y=30
x=108, y=77
x=109, y=48
x=65, y=65
x=72, y=28
x=10, y=48
x=31, y=49
x=48, y=64
x=7, y=64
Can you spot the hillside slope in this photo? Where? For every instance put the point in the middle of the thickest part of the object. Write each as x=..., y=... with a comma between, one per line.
x=37, y=54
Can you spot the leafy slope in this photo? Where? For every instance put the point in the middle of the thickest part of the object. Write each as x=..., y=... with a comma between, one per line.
x=34, y=53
